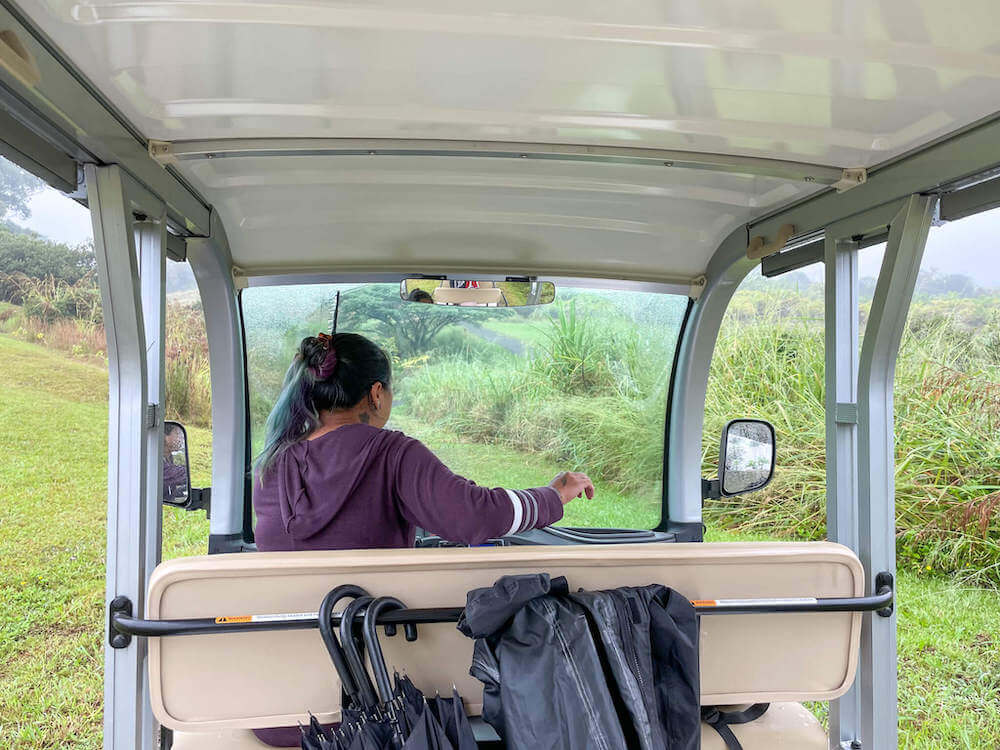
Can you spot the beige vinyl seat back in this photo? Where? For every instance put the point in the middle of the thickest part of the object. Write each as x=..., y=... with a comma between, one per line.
x=243, y=680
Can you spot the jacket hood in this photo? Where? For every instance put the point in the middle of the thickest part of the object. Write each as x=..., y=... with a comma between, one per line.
x=315, y=478
x=488, y=609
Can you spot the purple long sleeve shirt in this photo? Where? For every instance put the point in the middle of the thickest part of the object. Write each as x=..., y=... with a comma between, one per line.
x=361, y=487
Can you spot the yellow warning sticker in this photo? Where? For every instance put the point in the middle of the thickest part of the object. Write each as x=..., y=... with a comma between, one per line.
x=233, y=618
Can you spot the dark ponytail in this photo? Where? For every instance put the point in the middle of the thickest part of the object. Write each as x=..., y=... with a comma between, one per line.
x=329, y=373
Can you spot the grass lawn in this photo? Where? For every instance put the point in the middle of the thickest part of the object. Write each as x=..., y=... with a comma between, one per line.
x=494, y=466
x=53, y=419
x=53, y=491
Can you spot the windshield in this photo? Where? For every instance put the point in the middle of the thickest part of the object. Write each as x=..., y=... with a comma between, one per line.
x=505, y=397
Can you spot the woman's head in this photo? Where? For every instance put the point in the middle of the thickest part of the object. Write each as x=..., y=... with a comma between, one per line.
x=173, y=438
x=340, y=373
x=420, y=295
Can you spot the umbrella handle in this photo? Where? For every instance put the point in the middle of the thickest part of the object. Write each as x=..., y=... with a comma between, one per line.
x=333, y=646
x=354, y=659
x=375, y=655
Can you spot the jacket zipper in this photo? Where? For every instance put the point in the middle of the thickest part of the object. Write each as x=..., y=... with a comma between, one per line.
x=628, y=643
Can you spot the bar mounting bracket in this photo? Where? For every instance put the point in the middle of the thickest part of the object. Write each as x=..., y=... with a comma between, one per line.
x=851, y=178
x=119, y=606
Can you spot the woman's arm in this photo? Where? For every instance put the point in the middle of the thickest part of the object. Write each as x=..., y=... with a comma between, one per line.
x=443, y=503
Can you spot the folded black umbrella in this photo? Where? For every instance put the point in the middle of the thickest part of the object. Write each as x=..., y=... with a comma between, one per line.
x=309, y=740
x=452, y=717
x=427, y=734
x=408, y=693
x=373, y=735
x=391, y=714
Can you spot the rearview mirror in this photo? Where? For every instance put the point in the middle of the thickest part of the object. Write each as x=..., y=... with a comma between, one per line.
x=176, y=468
x=468, y=293
x=746, y=456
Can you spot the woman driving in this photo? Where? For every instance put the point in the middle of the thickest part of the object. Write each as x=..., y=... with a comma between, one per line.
x=330, y=477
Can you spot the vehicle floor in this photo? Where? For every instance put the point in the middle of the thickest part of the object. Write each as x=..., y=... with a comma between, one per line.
x=53, y=483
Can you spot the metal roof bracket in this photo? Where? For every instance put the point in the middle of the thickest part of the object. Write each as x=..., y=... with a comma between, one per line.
x=759, y=247
x=17, y=59
x=697, y=286
x=851, y=177
x=240, y=278
x=162, y=152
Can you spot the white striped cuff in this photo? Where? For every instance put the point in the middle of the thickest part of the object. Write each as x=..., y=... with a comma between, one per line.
x=515, y=500
x=525, y=510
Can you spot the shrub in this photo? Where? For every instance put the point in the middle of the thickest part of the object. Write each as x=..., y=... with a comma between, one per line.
x=34, y=256
x=49, y=298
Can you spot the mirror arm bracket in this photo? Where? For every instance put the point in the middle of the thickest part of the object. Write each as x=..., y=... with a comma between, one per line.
x=201, y=499
x=710, y=489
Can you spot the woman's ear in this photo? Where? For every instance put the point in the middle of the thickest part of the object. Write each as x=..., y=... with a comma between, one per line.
x=376, y=393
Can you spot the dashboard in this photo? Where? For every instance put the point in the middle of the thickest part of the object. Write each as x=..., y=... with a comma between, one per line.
x=559, y=535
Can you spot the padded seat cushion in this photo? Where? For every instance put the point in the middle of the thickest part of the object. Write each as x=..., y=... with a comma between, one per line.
x=785, y=726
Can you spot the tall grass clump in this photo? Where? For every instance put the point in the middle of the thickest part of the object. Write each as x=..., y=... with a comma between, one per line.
x=947, y=400
x=588, y=396
x=188, y=384
x=66, y=316
x=769, y=364
x=49, y=298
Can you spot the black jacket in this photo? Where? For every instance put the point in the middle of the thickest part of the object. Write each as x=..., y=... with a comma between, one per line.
x=608, y=670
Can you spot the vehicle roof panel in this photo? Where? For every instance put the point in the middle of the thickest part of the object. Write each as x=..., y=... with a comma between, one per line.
x=840, y=82
x=440, y=214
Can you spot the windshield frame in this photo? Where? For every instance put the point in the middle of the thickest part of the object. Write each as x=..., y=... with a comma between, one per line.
x=609, y=284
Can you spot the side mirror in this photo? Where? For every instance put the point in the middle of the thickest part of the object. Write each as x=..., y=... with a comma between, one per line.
x=176, y=468
x=746, y=456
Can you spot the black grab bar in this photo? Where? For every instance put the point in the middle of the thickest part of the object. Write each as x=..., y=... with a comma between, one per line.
x=124, y=625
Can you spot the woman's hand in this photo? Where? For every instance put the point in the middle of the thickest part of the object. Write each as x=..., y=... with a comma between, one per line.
x=570, y=484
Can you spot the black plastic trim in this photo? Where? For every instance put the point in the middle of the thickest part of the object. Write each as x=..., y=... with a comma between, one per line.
x=201, y=499
x=248, y=534
x=120, y=606
x=685, y=531
x=665, y=522
x=885, y=580
x=221, y=544
x=710, y=489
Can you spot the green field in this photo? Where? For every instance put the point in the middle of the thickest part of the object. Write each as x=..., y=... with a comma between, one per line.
x=53, y=415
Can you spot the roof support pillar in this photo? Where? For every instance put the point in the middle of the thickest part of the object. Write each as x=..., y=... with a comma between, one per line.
x=130, y=264
x=212, y=264
x=861, y=508
x=877, y=497
x=841, y=321
x=682, y=480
